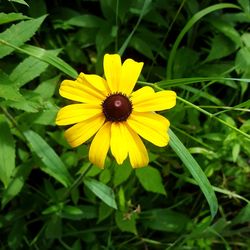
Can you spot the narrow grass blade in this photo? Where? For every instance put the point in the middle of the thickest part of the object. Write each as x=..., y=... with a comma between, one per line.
x=126, y=42
x=188, y=26
x=45, y=56
x=195, y=170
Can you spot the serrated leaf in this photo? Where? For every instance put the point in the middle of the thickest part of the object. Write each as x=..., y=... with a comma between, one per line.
x=11, y=17
x=8, y=90
x=18, y=34
x=53, y=165
x=102, y=191
x=227, y=29
x=29, y=69
x=47, y=88
x=150, y=179
x=221, y=46
x=55, y=61
x=7, y=152
x=242, y=61
x=31, y=102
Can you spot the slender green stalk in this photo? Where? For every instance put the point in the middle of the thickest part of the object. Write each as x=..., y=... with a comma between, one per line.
x=188, y=26
x=212, y=116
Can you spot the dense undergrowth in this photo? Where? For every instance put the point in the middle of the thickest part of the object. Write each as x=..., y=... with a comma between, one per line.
x=51, y=196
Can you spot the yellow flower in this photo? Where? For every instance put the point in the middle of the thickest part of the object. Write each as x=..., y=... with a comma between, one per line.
x=113, y=113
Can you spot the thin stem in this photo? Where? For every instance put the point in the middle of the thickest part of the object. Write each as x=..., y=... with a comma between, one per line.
x=76, y=183
x=13, y=121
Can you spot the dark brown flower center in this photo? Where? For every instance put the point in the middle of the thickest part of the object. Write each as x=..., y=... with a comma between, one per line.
x=117, y=107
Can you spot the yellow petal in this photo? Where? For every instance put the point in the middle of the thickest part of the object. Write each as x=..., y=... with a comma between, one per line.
x=130, y=73
x=81, y=91
x=75, y=113
x=100, y=146
x=118, y=142
x=81, y=132
x=150, y=126
x=138, y=154
x=112, y=70
x=146, y=100
x=142, y=93
x=96, y=81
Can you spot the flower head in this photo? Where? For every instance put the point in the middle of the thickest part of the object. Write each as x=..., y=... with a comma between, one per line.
x=109, y=109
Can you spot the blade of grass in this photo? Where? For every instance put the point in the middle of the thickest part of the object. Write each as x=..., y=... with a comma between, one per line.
x=195, y=171
x=188, y=26
x=126, y=42
x=213, y=117
x=184, y=81
x=44, y=56
x=201, y=110
x=230, y=194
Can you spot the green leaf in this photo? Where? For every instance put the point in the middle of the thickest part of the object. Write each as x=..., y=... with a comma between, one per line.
x=126, y=224
x=41, y=54
x=142, y=46
x=245, y=5
x=79, y=212
x=102, y=191
x=104, y=212
x=198, y=93
x=150, y=179
x=44, y=117
x=47, y=88
x=53, y=165
x=122, y=172
x=195, y=18
x=53, y=228
x=86, y=21
x=18, y=34
x=195, y=171
x=19, y=1
x=53, y=60
x=8, y=90
x=16, y=182
x=226, y=29
x=7, y=152
x=165, y=220
x=29, y=69
x=143, y=11
x=243, y=216
x=242, y=61
x=11, y=17
x=221, y=46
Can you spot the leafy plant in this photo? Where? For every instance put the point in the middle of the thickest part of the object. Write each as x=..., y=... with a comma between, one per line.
x=52, y=197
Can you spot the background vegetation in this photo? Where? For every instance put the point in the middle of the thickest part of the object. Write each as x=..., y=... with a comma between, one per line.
x=51, y=196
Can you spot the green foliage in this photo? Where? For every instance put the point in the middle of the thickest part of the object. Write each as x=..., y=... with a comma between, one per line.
x=53, y=198
x=7, y=152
